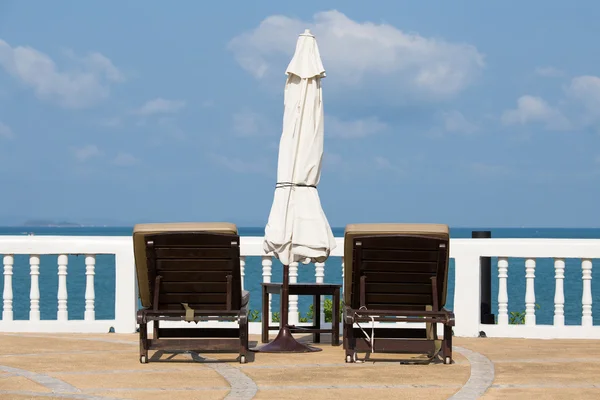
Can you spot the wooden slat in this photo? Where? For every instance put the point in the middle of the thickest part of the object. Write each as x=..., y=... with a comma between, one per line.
x=198, y=332
x=399, y=266
x=194, y=276
x=398, y=277
x=194, y=344
x=400, y=255
x=408, y=243
x=190, y=239
x=407, y=333
x=396, y=306
x=187, y=252
x=400, y=288
x=195, y=306
x=398, y=298
x=193, y=287
x=192, y=265
x=397, y=345
x=208, y=298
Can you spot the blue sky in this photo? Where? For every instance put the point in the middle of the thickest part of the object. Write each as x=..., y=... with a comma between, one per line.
x=467, y=113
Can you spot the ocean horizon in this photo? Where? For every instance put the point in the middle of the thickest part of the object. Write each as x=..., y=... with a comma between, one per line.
x=105, y=274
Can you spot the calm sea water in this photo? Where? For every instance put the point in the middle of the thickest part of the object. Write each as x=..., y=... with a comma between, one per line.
x=105, y=275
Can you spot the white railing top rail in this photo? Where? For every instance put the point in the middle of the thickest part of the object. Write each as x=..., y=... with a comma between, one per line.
x=252, y=246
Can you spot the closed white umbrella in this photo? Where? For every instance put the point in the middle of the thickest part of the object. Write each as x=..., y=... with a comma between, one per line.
x=297, y=229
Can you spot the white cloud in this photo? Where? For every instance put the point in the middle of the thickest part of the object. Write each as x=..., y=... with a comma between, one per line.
x=160, y=106
x=110, y=122
x=249, y=123
x=334, y=127
x=81, y=85
x=125, y=160
x=537, y=110
x=5, y=131
x=579, y=109
x=455, y=121
x=240, y=166
x=489, y=170
x=384, y=163
x=585, y=91
x=356, y=53
x=549, y=72
x=85, y=153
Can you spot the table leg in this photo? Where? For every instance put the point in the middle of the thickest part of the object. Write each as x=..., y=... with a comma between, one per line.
x=317, y=318
x=265, y=323
x=335, y=320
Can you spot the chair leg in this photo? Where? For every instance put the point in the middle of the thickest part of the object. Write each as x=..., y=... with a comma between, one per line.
x=317, y=318
x=243, y=340
x=349, y=343
x=265, y=322
x=335, y=319
x=447, y=344
x=155, y=330
x=144, y=343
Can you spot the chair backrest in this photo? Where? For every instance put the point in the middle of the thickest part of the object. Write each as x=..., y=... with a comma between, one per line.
x=398, y=269
x=195, y=268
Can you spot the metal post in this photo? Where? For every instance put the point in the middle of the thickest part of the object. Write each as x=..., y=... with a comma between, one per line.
x=486, y=281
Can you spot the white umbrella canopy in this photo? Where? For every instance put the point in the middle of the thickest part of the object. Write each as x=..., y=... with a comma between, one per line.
x=297, y=229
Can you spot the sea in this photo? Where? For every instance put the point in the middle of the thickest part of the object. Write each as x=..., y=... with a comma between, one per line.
x=105, y=275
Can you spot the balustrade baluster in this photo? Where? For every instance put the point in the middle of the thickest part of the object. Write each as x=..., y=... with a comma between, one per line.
x=242, y=269
x=62, y=313
x=34, y=292
x=530, y=291
x=559, y=293
x=293, y=304
x=319, y=278
x=586, y=298
x=7, y=295
x=267, y=266
x=90, y=294
x=502, y=291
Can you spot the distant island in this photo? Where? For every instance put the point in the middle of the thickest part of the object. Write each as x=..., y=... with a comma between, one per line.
x=53, y=224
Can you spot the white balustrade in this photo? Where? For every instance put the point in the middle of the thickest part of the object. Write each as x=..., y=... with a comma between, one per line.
x=465, y=252
x=34, y=291
x=293, y=305
x=90, y=293
x=242, y=269
x=530, y=292
x=7, y=295
x=559, y=293
x=267, y=266
x=62, y=313
x=586, y=298
x=502, y=291
x=320, y=278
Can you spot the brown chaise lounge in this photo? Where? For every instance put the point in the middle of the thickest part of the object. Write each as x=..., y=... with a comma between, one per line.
x=396, y=272
x=190, y=272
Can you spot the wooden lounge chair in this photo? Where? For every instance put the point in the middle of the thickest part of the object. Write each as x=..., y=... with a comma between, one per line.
x=190, y=272
x=396, y=272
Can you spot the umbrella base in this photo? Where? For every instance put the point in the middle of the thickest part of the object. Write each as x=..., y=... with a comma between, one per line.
x=285, y=343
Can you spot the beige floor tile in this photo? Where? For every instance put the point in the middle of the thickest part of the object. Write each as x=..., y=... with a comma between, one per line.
x=204, y=377
x=168, y=395
x=20, y=383
x=532, y=373
x=362, y=394
x=545, y=394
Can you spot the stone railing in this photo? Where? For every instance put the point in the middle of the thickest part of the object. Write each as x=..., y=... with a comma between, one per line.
x=466, y=254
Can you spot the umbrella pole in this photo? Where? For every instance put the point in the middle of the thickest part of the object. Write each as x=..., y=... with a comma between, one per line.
x=285, y=342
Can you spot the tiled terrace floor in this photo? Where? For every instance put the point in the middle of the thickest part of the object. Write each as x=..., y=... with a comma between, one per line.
x=107, y=367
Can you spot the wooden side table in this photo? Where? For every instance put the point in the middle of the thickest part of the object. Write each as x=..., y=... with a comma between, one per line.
x=305, y=289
